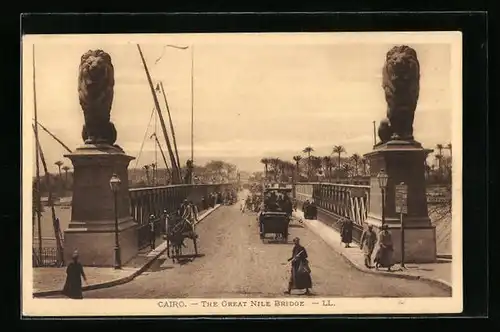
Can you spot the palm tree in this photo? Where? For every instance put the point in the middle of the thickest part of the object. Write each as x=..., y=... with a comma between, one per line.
x=65, y=169
x=448, y=146
x=265, y=161
x=59, y=164
x=297, y=160
x=346, y=169
x=276, y=166
x=316, y=163
x=440, y=148
x=427, y=169
x=338, y=149
x=308, y=150
x=326, y=161
x=146, y=168
x=364, y=162
x=356, y=158
x=439, y=158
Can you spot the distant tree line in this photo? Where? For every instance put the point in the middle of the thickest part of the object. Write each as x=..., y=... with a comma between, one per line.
x=307, y=167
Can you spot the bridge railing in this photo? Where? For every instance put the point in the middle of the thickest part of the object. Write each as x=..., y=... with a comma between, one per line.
x=145, y=202
x=337, y=201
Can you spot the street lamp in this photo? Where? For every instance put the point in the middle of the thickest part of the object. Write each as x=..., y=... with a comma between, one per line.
x=382, y=178
x=115, y=183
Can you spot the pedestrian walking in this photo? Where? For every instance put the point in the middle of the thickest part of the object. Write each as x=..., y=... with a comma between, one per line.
x=74, y=274
x=300, y=277
x=367, y=244
x=152, y=235
x=346, y=232
x=383, y=257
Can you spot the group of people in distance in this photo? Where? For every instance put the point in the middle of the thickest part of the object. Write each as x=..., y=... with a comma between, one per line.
x=368, y=242
x=278, y=202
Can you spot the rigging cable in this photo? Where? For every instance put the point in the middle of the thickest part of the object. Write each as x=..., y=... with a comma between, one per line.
x=145, y=136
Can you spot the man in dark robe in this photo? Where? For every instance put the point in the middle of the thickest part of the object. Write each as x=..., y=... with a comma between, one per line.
x=74, y=274
x=313, y=210
x=383, y=257
x=367, y=244
x=300, y=277
x=152, y=233
x=346, y=232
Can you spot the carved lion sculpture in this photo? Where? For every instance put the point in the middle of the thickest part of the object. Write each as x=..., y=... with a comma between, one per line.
x=401, y=83
x=95, y=90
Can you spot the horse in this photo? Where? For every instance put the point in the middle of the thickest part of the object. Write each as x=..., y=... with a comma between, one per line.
x=177, y=232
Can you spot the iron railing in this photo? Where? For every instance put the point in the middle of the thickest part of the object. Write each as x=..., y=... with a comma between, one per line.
x=145, y=202
x=46, y=258
x=144, y=232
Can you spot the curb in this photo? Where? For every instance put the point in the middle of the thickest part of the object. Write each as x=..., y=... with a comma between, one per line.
x=437, y=282
x=123, y=280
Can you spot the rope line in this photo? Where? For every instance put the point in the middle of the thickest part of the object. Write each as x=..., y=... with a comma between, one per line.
x=145, y=136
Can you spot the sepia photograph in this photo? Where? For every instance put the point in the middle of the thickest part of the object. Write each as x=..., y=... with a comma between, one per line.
x=242, y=174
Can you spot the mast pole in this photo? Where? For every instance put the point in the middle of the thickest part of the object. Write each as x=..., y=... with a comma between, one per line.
x=54, y=137
x=37, y=182
x=192, y=104
x=175, y=170
x=171, y=125
x=55, y=221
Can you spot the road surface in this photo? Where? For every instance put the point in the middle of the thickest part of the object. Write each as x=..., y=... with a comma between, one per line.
x=236, y=263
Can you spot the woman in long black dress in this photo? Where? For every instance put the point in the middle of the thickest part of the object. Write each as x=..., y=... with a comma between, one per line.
x=346, y=232
x=74, y=273
x=300, y=273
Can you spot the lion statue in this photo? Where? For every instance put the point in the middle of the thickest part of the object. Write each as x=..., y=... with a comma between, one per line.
x=95, y=90
x=401, y=83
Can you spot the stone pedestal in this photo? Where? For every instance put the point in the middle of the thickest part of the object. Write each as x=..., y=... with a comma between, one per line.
x=403, y=162
x=91, y=230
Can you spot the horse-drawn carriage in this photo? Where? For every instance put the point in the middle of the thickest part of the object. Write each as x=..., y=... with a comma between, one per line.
x=179, y=229
x=277, y=212
x=274, y=223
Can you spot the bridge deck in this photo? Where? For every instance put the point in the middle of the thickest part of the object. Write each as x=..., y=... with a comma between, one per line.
x=236, y=263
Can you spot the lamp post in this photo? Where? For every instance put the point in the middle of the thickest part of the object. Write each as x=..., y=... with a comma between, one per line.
x=115, y=183
x=382, y=178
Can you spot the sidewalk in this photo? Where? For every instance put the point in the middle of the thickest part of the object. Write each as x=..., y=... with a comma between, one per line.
x=437, y=273
x=48, y=281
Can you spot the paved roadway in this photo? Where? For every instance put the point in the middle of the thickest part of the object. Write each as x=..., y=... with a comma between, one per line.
x=236, y=263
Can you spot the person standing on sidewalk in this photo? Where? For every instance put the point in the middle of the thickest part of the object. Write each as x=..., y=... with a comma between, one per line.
x=383, y=258
x=74, y=274
x=165, y=216
x=367, y=244
x=152, y=235
x=346, y=232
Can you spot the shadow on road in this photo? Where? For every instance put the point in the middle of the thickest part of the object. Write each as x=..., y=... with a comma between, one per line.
x=184, y=259
x=295, y=226
x=274, y=241
x=157, y=266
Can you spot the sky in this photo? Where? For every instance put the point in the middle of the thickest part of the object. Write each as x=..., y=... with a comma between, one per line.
x=255, y=95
